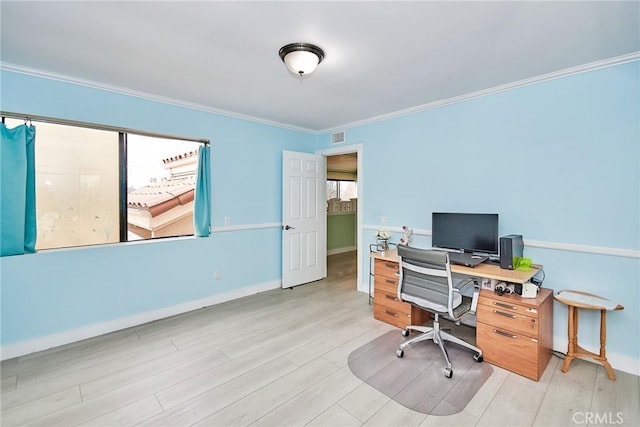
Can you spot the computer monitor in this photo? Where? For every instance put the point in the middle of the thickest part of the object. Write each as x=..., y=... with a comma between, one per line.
x=467, y=232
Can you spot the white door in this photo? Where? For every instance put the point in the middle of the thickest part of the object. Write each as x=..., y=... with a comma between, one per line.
x=304, y=219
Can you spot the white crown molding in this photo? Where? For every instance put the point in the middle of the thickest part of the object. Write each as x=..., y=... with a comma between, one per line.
x=569, y=247
x=635, y=56
x=143, y=95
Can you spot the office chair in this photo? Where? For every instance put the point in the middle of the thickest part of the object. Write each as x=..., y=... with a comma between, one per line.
x=425, y=281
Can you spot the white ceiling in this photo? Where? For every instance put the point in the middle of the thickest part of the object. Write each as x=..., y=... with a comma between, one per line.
x=381, y=57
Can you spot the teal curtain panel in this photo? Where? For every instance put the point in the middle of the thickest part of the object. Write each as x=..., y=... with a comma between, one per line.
x=202, y=203
x=18, y=190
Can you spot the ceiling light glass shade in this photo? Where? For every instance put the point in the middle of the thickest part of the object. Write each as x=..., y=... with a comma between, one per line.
x=301, y=62
x=301, y=58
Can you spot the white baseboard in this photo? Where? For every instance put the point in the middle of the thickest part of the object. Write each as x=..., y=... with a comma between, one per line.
x=617, y=361
x=342, y=250
x=43, y=343
x=364, y=287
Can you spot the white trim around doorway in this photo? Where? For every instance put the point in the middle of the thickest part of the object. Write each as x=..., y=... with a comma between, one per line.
x=358, y=149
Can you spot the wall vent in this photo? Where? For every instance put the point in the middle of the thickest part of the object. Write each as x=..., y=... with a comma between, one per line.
x=337, y=138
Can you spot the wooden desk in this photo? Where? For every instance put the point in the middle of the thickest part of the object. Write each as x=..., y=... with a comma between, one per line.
x=513, y=332
x=516, y=333
x=489, y=271
x=386, y=305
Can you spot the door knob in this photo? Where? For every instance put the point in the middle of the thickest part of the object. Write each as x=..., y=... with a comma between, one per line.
x=288, y=227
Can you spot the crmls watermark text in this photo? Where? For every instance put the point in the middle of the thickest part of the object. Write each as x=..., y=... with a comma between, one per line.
x=598, y=418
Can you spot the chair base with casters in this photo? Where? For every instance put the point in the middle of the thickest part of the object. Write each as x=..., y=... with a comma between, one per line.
x=438, y=336
x=425, y=282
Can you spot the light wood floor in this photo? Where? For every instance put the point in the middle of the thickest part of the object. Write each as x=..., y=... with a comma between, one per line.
x=277, y=359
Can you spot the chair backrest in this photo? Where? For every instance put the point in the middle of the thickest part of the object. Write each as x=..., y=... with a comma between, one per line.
x=425, y=279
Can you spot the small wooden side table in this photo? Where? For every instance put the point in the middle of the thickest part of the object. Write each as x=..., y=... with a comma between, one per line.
x=574, y=300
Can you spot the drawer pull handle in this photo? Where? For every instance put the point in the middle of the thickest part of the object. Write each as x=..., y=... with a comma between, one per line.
x=393, y=282
x=391, y=297
x=503, y=305
x=505, y=334
x=502, y=313
x=393, y=266
x=391, y=313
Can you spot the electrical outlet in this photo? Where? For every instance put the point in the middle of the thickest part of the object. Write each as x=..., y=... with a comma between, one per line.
x=383, y=220
x=489, y=284
x=217, y=275
x=227, y=221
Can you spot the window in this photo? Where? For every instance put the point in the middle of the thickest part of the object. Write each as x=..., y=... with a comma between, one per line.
x=343, y=190
x=161, y=186
x=332, y=190
x=341, y=196
x=84, y=198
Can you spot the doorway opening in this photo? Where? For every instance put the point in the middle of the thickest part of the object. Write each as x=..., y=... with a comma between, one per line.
x=344, y=187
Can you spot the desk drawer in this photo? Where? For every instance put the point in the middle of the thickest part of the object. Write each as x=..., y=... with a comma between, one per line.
x=386, y=268
x=514, y=352
x=508, y=320
x=391, y=301
x=393, y=317
x=386, y=284
x=510, y=303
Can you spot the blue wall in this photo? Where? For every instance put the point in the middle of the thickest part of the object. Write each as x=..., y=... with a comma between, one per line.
x=559, y=161
x=56, y=291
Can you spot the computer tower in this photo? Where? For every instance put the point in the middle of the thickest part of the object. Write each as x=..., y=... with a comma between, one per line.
x=511, y=248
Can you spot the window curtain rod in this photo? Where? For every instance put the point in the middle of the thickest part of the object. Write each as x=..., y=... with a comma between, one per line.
x=31, y=117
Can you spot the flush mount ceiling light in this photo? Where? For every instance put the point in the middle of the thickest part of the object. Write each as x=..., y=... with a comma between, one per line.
x=301, y=58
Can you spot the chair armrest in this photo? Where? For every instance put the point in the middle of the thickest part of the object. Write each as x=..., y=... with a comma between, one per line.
x=464, y=285
x=467, y=284
x=476, y=295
